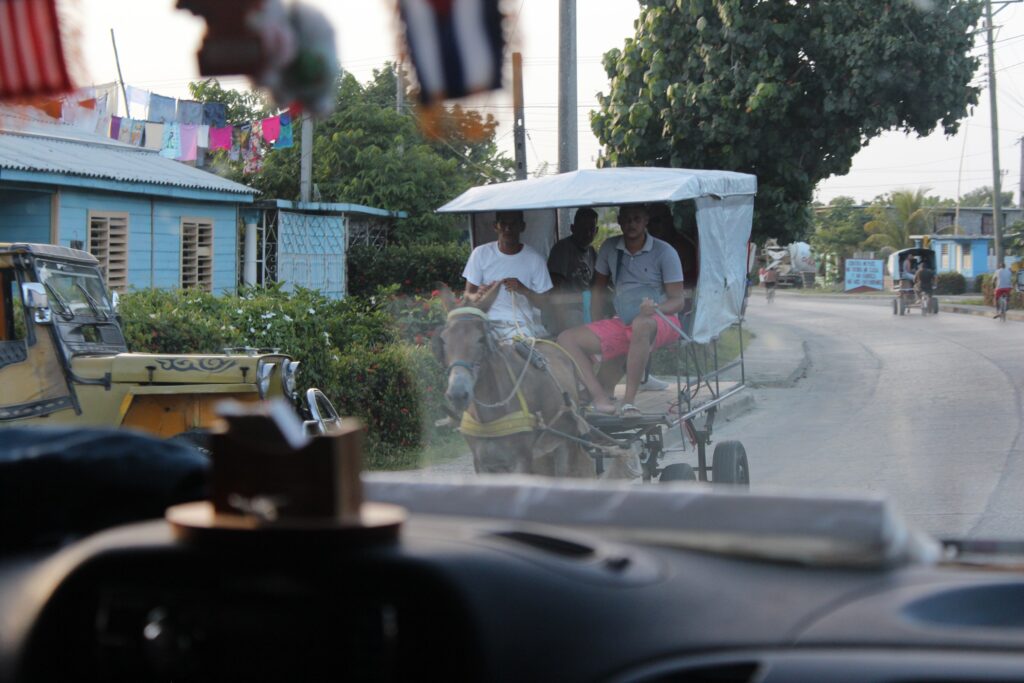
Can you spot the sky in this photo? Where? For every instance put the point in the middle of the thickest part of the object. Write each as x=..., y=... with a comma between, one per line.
x=157, y=45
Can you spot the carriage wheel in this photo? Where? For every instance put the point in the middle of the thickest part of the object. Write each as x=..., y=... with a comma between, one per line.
x=729, y=464
x=679, y=471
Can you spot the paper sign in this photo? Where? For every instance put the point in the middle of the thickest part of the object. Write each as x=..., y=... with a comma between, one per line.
x=863, y=273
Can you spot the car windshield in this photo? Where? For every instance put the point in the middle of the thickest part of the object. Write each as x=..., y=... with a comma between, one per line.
x=742, y=244
x=74, y=290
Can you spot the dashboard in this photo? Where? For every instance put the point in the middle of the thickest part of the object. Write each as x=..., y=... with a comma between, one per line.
x=479, y=599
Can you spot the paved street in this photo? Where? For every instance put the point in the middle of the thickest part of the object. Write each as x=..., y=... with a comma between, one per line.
x=925, y=409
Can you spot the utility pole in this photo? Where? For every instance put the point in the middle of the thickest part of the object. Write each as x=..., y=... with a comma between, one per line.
x=306, y=158
x=1020, y=188
x=399, y=88
x=568, y=156
x=997, y=213
x=519, y=128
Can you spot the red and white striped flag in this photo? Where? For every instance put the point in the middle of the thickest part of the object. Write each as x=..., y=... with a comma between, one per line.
x=456, y=45
x=31, y=56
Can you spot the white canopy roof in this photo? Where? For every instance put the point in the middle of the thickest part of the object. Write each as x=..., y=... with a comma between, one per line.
x=603, y=187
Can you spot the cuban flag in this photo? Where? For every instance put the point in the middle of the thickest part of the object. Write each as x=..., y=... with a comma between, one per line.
x=31, y=56
x=456, y=46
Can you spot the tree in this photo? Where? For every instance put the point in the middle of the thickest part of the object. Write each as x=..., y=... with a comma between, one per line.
x=789, y=91
x=982, y=196
x=368, y=153
x=895, y=217
x=839, y=230
x=242, y=106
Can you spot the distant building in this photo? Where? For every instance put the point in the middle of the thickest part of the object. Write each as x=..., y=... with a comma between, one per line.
x=151, y=221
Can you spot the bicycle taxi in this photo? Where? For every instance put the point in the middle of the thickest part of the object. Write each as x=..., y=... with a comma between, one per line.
x=900, y=264
x=717, y=206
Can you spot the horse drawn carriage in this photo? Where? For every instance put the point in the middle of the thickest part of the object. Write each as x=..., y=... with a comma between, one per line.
x=528, y=416
x=902, y=266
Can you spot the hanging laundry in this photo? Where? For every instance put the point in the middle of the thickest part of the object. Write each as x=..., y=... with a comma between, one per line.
x=215, y=114
x=203, y=137
x=456, y=47
x=254, y=150
x=138, y=130
x=171, y=145
x=235, y=153
x=138, y=104
x=271, y=128
x=103, y=126
x=33, y=59
x=115, y=126
x=154, y=135
x=188, y=144
x=190, y=112
x=88, y=103
x=162, y=109
x=284, y=140
x=220, y=138
x=80, y=117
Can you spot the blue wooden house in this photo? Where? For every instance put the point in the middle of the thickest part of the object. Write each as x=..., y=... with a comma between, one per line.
x=151, y=221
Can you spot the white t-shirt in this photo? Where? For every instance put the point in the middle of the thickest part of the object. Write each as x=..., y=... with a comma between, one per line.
x=487, y=264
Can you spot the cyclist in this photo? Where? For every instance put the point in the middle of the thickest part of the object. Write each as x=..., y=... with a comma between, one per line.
x=771, y=279
x=1003, y=281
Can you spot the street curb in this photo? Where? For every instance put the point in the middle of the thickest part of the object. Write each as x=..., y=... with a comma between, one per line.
x=984, y=312
x=741, y=405
x=799, y=372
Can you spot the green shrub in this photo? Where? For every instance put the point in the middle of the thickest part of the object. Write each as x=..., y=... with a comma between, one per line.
x=414, y=268
x=979, y=282
x=950, y=283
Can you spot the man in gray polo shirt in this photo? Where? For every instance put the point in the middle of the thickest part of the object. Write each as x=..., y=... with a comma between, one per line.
x=648, y=277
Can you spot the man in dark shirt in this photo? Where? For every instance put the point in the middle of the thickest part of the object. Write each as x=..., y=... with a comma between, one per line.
x=571, y=264
x=924, y=279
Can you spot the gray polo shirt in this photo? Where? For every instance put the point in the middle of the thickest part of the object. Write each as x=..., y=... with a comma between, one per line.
x=655, y=265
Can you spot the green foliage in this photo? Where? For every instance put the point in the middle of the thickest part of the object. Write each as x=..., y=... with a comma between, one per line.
x=347, y=348
x=839, y=230
x=950, y=283
x=895, y=217
x=242, y=106
x=368, y=153
x=789, y=91
x=414, y=267
x=982, y=196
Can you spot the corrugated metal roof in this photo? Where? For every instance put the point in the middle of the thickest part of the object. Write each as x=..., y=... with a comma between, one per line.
x=47, y=148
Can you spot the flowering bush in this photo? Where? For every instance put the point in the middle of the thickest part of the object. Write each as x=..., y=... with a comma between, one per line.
x=418, y=317
x=349, y=348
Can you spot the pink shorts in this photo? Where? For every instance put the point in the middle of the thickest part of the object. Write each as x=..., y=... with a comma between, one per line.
x=615, y=335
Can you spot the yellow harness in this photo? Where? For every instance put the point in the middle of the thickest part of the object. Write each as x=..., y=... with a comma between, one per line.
x=506, y=425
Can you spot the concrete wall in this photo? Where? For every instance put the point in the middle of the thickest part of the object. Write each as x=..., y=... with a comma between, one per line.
x=24, y=216
x=154, y=234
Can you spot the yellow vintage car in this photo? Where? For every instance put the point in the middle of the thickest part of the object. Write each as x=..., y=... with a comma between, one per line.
x=64, y=360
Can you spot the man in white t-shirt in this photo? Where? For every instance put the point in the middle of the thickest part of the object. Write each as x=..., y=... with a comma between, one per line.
x=508, y=279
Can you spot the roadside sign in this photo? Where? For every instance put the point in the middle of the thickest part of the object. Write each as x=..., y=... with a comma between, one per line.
x=864, y=275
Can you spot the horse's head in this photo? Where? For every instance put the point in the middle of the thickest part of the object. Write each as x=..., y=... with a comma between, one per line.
x=461, y=347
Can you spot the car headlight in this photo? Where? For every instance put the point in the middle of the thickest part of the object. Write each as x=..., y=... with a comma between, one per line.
x=266, y=370
x=289, y=378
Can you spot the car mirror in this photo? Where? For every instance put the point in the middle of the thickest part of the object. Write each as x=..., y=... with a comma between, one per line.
x=35, y=298
x=115, y=301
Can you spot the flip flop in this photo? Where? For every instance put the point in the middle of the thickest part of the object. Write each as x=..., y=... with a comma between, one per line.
x=629, y=410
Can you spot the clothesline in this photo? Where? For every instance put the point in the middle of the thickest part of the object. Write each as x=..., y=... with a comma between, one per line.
x=184, y=130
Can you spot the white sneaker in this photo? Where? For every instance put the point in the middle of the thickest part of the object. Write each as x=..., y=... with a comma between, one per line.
x=653, y=384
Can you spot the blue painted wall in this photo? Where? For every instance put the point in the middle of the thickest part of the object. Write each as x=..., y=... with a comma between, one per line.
x=24, y=216
x=154, y=226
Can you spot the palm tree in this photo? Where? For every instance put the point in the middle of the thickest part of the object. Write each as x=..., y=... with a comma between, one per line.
x=895, y=218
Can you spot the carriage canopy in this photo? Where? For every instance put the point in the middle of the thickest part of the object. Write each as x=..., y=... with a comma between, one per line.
x=725, y=210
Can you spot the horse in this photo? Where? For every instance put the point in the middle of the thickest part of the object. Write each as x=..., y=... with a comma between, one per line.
x=517, y=400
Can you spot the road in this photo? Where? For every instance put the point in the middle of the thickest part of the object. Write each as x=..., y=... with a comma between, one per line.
x=927, y=410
